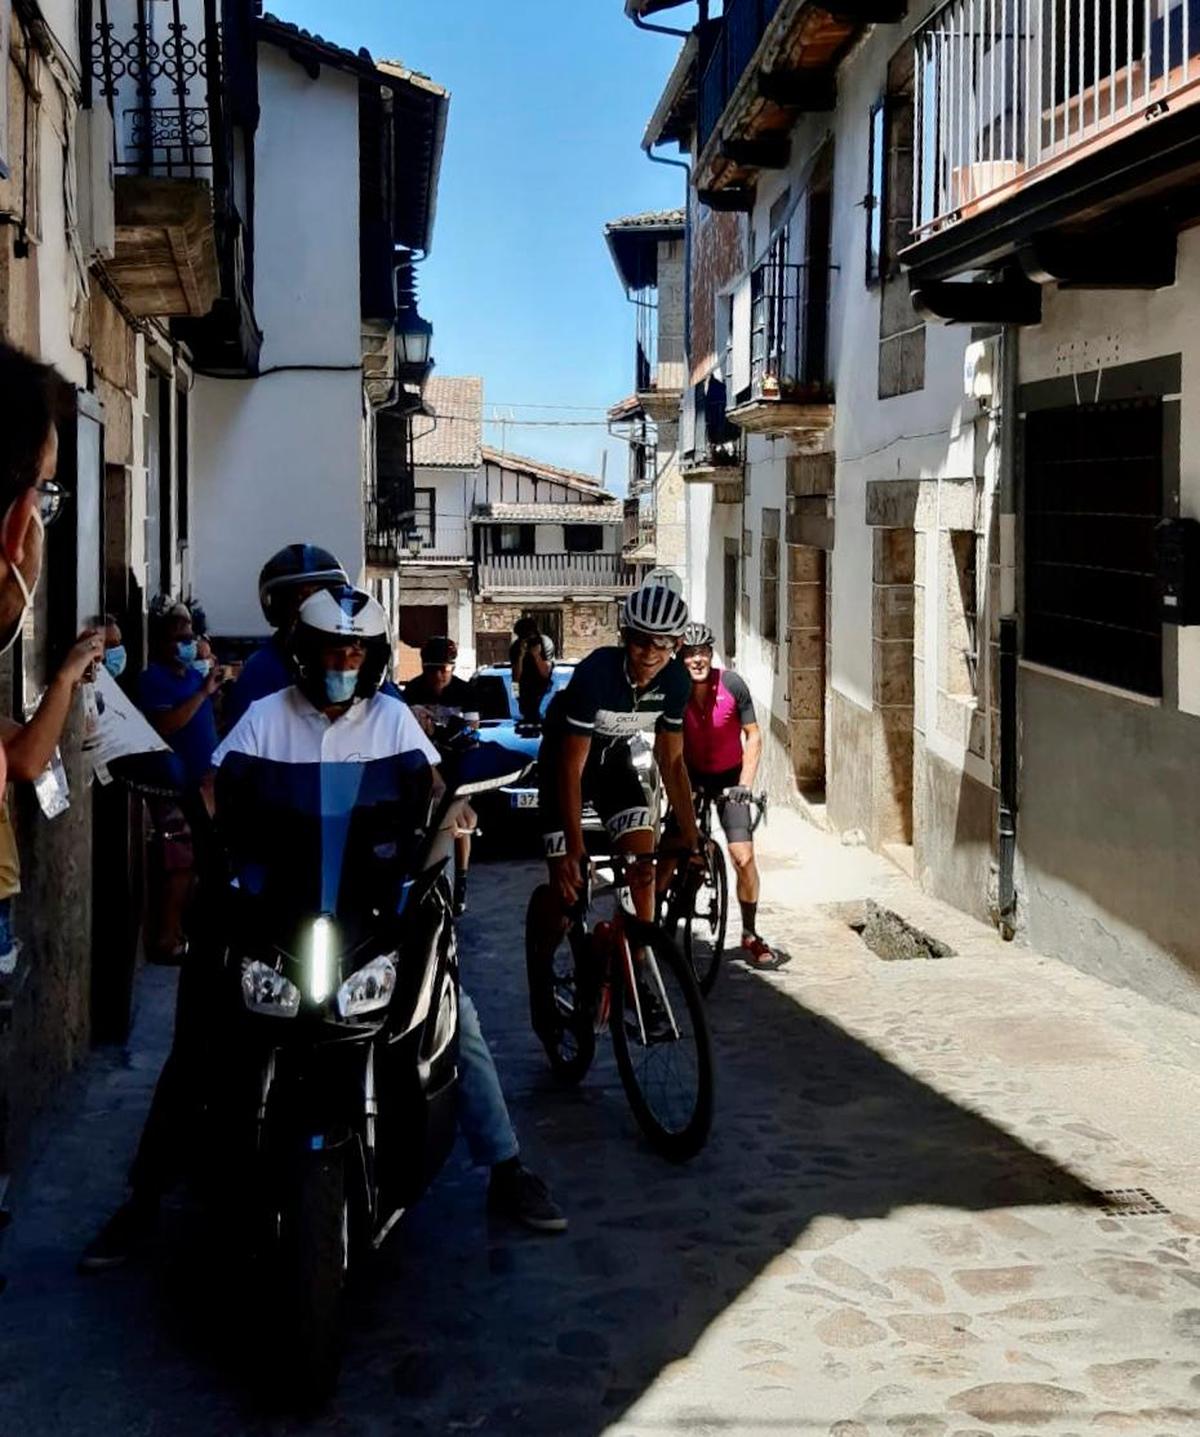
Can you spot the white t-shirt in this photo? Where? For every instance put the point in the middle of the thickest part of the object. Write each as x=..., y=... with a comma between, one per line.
x=286, y=728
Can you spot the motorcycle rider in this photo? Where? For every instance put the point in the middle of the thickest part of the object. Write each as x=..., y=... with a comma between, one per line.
x=334, y=713
x=287, y=579
x=616, y=692
x=437, y=691
x=722, y=746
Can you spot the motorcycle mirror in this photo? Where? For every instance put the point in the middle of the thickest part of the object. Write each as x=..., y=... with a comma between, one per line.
x=485, y=767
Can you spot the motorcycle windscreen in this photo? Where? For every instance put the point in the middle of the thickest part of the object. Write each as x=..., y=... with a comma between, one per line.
x=336, y=838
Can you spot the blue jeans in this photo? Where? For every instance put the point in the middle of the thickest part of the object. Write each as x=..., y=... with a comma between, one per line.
x=482, y=1112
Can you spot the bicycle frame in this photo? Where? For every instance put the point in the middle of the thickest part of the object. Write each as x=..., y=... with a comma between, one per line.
x=614, y=941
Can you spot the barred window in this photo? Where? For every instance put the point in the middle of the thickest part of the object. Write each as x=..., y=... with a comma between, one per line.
x=1093, y=495
x=769, y=576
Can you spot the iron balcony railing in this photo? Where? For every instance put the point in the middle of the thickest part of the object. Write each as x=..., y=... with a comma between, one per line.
x=639, y=528
x=555, y=571
x=1007, y=88
x=788, y=328
x=157, y=65
x=715, y=443
x=646, y=358
x=745, y=24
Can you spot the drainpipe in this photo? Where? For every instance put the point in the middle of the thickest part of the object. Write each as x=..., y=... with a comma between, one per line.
x=687, y=244
x=1006, y=827
x=653, y=29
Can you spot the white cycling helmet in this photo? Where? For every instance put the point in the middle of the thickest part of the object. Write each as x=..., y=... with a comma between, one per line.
x=655, y=609
x=698, y=636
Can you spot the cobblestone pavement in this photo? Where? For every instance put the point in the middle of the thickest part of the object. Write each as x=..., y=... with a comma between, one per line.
x=897, y=1230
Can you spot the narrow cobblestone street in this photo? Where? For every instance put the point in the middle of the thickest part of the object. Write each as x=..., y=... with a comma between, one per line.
x=898, y=1227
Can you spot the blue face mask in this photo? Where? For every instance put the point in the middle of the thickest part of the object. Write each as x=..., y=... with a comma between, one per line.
x=186, y=650
x=202, y=666
x=114, y=660
x=340, y=685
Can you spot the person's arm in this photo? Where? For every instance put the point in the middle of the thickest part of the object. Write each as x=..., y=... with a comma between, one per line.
x=572, y=758
x=169, y=721
x=751, y=754
x=30, y=747
x=668, y=752
x=540, y=662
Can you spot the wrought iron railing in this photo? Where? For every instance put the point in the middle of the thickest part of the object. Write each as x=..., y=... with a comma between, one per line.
x=788, y=328
x=555, y=571
x=1006, y=88
x=745, y=24
x=715, y=443
x=157, y=66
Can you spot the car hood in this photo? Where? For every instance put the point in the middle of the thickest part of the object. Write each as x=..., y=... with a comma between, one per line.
x=505, y=733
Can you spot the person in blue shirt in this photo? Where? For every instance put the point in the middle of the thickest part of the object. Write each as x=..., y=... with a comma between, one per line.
x=287, y=579
x=178, y=700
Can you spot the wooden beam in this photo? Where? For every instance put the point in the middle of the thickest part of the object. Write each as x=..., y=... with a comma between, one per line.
x=737, y=199
x=1010, y=300
x=769, y=152
x=803, y=90
x=1118, y=259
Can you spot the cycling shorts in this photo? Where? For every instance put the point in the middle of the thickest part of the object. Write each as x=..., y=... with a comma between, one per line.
x=610, y=783
x=736, y=818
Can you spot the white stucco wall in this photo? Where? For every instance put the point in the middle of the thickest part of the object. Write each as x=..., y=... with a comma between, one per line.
x=453, y=491
x=279, y=458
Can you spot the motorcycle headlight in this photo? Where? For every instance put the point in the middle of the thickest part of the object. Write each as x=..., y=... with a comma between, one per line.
x=369, y=989
x=265, y=991
x=321, y=960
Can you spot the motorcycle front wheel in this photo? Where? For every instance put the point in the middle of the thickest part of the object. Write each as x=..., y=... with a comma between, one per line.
x=313, y=1261
x=661, y=1042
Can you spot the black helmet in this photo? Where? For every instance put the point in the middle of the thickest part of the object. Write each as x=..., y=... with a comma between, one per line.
x=340, y=613
x=438, y=651
x=296, y=564
x=698, y=636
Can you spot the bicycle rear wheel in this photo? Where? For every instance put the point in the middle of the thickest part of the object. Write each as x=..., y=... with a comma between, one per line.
x=662, y=1044
x=563, y=1019
x=705, y=923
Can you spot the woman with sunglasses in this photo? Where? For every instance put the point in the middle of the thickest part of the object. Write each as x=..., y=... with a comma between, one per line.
x=637, y=686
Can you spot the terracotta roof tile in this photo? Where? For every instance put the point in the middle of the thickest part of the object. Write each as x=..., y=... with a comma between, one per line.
x=455, y=441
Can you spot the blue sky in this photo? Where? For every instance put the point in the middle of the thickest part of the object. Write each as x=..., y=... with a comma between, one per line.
x=548, y=104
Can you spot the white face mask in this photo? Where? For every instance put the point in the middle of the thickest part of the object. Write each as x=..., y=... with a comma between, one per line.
x=27, y=592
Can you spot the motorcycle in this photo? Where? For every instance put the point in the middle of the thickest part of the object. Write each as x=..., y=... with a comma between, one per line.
x=341, y=954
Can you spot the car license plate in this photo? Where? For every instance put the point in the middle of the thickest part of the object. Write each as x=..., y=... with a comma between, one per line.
x=524, y=800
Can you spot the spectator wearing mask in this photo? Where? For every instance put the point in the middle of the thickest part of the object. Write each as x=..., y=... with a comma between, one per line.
x=28, y=749
x=532, y=658
x=438, y=691
x=33, y=399
x=178, y=700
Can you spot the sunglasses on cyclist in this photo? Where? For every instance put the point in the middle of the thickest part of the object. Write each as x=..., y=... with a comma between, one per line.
x=689, y=651
x=648, y=641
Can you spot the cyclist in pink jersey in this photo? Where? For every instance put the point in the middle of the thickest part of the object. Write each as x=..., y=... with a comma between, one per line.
x=721, y=747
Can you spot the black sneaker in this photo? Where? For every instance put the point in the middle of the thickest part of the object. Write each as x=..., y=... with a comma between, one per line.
x=514, y=1192
x=125, y=1233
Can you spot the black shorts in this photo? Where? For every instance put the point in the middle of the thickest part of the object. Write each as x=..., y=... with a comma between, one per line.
x=610, y=783
x=736, y=818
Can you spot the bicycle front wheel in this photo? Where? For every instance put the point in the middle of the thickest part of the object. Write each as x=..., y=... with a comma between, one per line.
x=561, y=1013
x=704, y=927
x=662, y=1044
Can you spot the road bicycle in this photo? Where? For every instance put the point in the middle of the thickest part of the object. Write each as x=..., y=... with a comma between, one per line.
x=628, y=977
x=696, y=901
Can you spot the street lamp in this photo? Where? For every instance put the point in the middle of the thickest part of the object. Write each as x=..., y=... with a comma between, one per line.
x=413, y=337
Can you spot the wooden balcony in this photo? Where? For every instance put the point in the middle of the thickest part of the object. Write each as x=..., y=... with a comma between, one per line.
x=789, y=394
x=1063, y=134
x=771, y=61
x=601, y=574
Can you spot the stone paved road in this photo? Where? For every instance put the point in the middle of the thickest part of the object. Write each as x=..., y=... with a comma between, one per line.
x=894, y=1232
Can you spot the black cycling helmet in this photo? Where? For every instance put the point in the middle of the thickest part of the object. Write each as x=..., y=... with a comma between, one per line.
x=438, y=651
x=655, y=609
x=292, y=565
x=698, y=636
x=340, y=613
